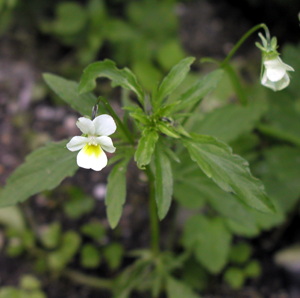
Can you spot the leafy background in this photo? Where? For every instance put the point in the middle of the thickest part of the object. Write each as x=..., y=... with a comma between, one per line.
x=58, y=231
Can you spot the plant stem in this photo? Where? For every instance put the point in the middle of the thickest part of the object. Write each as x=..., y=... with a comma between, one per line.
x=87, y=280
x=118, y=120
x=154, y=222
x=242, y=40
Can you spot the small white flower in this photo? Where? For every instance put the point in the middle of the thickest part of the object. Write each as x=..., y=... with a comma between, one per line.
x=275, y=74
x=93, y=141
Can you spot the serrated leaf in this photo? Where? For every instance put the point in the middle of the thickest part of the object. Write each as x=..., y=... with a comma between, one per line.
x=43, y=169
x=116, y=193
x=68, y=91
x=174, y=78
x=199, y=90
x=107, y=69
x=229, y=171
x=209, y=240
x=178, y=289
x=163, y=182
x=146, y=147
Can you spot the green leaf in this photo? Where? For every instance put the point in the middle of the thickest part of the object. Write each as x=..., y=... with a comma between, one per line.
x=113, y=254
x=116, y=192
x=163, y=182
x=253, y=269
x=58, y=259
x=43, y=169
x=229, y=122
x=90, y=256
x=178, y=289
x=12, y=217
x=146, y=147
x=71, y=18
x=199, y=90
x=229, y=171
x=174, y=78
x=209, y=240
x=78, y=203
x=234, y=277
x=107, y=69
x=283, y=119
x=30, y=283
x=193, y=189
x=68, y=91
x=50, y=235
x=240, y=253
x=94, y=230
x=280, y=171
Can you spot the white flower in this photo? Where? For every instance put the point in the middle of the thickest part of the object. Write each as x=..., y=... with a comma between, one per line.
x=93, y=141
x=275, y=74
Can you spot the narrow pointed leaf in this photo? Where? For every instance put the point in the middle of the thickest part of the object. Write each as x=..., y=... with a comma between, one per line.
x=116, y=192
x=229, y=171
x=107, y=69
x=146, y=148
x=199, y=90
x=44, y=169
x=68, y=91
x=163, y=182
x=174, y=78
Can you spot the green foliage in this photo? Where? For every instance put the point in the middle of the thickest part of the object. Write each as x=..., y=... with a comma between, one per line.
x=173, y=79
x=107, y=69
x=51, y=234
x=94, y=229
x=229, y=171
x=234, y=277
x=163, y=181
x=146, y=147
x=113, y=254
x=90, y=256
x=194, y=94
x=115, y=196
x=240, y=253
x=177, y=289
x=175, y=141
x=78, y=204
x=30, y=287
x=58, y=259
x=68, y=91
x=209, y=240
x=43, y=169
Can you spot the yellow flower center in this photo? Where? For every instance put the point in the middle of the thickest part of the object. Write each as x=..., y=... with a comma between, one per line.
x=91, y=149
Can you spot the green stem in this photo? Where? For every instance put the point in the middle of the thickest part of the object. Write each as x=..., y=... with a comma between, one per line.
x=118, y=120
x=237, y=86
x=242, y=40
x=154, y=221
x=87, y=280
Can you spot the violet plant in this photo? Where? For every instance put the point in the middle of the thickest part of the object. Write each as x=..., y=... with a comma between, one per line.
x=154, y=134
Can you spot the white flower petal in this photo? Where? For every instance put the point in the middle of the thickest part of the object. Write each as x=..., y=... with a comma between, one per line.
x=92, y=158
x=106, y=144
x=86, y=125
x=104, y=125
x=275, y=74
x=77, y=143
